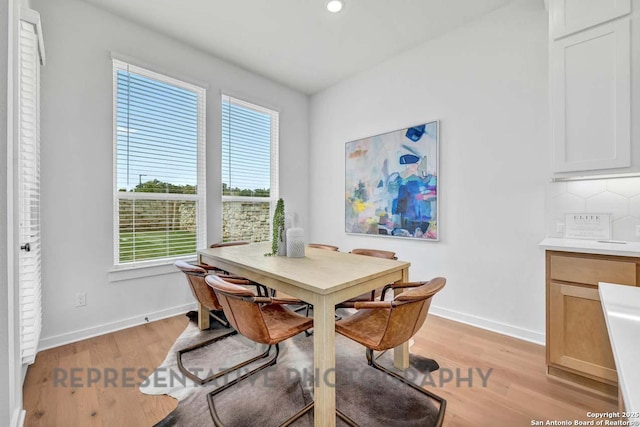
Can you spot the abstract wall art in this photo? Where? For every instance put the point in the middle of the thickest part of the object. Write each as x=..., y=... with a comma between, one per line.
x=392, y=183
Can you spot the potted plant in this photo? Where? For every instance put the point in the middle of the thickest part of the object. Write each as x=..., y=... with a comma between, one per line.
x=278, y=245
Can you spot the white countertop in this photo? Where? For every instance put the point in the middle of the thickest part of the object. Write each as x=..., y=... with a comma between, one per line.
x=621, y=306
x=591, y=246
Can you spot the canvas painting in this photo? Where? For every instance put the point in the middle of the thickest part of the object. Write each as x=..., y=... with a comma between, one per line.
x=392, y=183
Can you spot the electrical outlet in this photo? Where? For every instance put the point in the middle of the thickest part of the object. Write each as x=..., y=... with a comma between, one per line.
x=559, y=227
x=81, y=299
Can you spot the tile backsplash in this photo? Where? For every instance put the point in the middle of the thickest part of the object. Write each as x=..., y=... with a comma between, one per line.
x=618, y=196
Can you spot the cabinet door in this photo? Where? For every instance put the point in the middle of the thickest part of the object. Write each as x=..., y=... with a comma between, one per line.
x=571, y=16
x=591, y=100
x=578, y=337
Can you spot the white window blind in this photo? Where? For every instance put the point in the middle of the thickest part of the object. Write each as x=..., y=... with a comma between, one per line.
x=29, y=192
x=159, y=177
x=249, y=169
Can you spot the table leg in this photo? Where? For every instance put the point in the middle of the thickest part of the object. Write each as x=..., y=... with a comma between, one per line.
x=401, y=352
x=203, y=312
x=203, y=317
x=324, y=362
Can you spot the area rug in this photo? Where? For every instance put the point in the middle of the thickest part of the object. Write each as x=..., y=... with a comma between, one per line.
x=268, y=398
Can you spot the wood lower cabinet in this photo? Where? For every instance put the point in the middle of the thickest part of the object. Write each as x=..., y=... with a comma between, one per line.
x=578, y=347
x=578, y=333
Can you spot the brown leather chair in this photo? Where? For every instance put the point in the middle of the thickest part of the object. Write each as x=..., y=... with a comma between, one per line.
x=222, y=245
x=383, y=325
x=207, y=298
x=262, y=290
x=261, y=319
x=375, y=253
x=323, y=246
x=370, y=296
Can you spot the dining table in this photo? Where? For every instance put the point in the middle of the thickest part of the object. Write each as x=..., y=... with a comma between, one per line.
x=322, y=278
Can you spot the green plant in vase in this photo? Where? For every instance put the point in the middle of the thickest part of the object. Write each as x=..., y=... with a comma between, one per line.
x=278, y=228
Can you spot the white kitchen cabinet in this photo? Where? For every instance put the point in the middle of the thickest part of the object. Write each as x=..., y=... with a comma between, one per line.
x=591, y=97
x=571, y=16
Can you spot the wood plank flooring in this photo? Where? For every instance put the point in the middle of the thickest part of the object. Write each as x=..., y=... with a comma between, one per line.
x=517, y=389
x=116, y=403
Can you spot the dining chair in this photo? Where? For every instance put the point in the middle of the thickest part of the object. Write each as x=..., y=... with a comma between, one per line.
x=206, y=297
x=323, y=246
x=383, y=325
x=262, y=290
x=261, y=319
x=370, y=296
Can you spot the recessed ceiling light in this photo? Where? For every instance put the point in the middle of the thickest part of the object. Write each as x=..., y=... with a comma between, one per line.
x=335, y=6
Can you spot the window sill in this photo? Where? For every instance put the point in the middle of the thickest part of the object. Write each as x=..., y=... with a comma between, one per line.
x=126, y=272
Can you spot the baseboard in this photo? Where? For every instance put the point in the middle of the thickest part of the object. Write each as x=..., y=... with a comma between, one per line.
x=490, y=325
x=479, y=322
x=94, y=331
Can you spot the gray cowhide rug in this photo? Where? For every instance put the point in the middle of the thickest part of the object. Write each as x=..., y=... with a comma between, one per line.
x=268, y=398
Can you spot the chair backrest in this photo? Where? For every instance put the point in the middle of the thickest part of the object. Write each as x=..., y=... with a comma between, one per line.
x=376, y=253
x=225, y=244
x=241, y=309
x=202, y=293
x=409, y=312
x=323, y=246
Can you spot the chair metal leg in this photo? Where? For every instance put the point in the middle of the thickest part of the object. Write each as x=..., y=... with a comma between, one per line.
x=262, y=289
x=288, y=422
x=306, y=313
x=223, y=322
x=302, y=307
x=344, y=417
x=443, y=403
x=297, y=415
x=270, y=362
x=201, y=381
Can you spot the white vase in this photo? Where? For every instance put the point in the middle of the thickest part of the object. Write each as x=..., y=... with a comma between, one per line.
x=295, y=243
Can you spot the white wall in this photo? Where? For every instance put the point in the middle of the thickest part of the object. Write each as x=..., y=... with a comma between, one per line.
x=77, y=152
x=487, y=84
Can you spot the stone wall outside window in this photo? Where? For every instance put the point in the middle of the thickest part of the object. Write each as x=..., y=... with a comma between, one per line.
x=246, y=221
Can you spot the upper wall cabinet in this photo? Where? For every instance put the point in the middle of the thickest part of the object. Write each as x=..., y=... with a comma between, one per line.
x=591, y=99
x=591, y=50
x=571, y=16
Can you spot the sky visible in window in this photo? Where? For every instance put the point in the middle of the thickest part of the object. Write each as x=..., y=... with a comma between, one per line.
x=157, y=133
x=246, y=147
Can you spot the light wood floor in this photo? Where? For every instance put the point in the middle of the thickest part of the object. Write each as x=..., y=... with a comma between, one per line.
x=518, y=390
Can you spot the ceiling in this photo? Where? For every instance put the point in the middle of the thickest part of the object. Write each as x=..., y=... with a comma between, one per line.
x=298, y=42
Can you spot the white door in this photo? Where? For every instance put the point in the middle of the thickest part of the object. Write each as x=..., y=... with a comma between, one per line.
x=29, y=276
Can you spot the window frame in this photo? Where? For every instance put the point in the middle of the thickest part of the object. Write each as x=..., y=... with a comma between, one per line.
x=200, y=197
x=274, y=179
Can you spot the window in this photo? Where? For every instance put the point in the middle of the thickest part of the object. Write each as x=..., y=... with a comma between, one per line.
x=249, y=170
x=159, y=182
